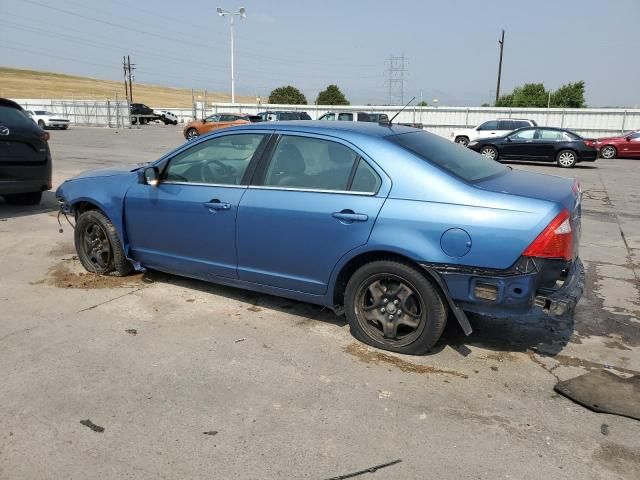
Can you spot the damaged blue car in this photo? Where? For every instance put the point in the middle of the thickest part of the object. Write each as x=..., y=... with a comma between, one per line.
x=396, y=228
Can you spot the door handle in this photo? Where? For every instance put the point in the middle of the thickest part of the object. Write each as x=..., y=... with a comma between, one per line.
x=350, y=216
x=216, y=204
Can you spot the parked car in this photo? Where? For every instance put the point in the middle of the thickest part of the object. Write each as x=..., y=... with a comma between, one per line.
x=142, y=113
x=627, y=145
x=46, y=119
x=545, y=144
x=337, y=214
x=25, y=159
x=196, y=128
x=279, y=115
x=356, y=117
x=167, y=117
x=491, y=128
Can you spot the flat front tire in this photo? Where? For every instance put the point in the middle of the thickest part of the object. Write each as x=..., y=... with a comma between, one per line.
x=98, y=245
x=393, y=306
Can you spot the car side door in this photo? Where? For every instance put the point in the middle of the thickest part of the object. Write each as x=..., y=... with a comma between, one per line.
x=186, y=223
x=631, y=145
x=313, y=199
x=546, y=143
x=487, y=129
x=518, y=144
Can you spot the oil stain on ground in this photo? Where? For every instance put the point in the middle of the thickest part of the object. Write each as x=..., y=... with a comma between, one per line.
x=64, y=275
x=366, y=355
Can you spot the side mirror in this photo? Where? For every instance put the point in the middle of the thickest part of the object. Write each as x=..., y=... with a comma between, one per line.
x=150, y=176
x=508, y=139
x=628, y=139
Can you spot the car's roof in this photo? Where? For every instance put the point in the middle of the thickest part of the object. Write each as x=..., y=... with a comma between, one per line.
x=318, y=126
x=9, y=103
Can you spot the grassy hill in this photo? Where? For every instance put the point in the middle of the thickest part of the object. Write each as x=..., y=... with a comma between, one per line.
x=18, y=83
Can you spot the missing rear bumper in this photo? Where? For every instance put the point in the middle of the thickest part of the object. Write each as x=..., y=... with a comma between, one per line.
x=564, y=299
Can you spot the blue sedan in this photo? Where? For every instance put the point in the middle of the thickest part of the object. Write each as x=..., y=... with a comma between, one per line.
x=394, y=227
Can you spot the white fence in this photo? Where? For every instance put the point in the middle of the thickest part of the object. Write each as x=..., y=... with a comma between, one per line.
x=97, y=113
x=589, y=122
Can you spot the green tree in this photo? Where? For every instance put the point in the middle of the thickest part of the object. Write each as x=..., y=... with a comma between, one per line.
x=287, y=95
x=423, y=104
x=528, y=95
x=570, y=95
x=332, y=96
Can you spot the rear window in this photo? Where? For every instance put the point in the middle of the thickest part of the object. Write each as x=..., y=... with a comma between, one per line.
x=10, y=116
x=460, y=161
x=521, y=123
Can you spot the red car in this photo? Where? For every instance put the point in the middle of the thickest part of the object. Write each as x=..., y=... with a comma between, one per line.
x=627, y=145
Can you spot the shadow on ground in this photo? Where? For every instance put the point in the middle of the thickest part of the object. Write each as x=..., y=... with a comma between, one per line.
x=537, y=331
x=48, y=204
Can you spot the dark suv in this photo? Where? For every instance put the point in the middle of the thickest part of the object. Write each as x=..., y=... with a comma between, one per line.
x=25, y=159
x=279, y=115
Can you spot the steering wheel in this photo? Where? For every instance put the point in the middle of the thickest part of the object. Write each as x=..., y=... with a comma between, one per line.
x=207, y=175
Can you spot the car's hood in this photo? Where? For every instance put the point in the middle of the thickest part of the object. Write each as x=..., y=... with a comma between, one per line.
x=551, y=188
x=104, y=172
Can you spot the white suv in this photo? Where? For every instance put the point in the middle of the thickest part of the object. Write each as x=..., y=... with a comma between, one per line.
x=491, y=128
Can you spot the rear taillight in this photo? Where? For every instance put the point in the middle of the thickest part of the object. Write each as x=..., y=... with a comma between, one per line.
x=590, y=143
x=44, y=136
x=555, y=241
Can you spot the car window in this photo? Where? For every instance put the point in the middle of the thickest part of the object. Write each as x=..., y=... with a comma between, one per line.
x=365, y=179
x=443, y=153
x=10, y=116
x=345, y=116
x=304, y=116
x=635, y=136
x=221, y=160
x=42, y=112
x=213, y=118
x=527, y=134
x=520, y=124
x=505, y=125
x=490, y=125
x=313, y=163
x=328, y=116
x=557, y=135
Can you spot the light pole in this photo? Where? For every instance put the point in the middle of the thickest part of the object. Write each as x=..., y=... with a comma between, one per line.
x=242, y=14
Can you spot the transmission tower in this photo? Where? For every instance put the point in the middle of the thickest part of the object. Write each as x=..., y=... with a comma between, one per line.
x=395, y=70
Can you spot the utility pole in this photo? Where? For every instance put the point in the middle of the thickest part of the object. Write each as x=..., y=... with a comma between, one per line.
x=501, y=43
x=126, y=87
x=395, y=79
x=130, y=78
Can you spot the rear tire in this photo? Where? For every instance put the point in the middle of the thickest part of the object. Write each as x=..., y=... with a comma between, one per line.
x=462, y=140
x=98, y=245
x=31, y=198
x=566, y=159
x=65, y=127
x=393, y=306
x=608, y=151
x=41, y=124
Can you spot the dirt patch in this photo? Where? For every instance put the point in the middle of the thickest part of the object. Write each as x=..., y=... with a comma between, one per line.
x=620, y=459
x=501, y=357
x=366, y=355
x=63, y=250
x=567, y=361
x=67, y=274
x=253, y=308
x=616, y=344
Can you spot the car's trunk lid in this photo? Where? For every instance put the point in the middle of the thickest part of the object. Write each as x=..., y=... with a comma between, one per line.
x=564, y=192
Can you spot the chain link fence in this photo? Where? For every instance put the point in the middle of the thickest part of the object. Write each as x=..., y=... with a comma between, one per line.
x=91, y=113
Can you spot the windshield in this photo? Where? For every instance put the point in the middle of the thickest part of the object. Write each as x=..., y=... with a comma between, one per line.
x=43, y=112
x=458, y=160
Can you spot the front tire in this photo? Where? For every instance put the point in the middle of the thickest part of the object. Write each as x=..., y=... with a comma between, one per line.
x=608, y=152
x=462, y=140
x=392, y=305
x=489, y=152
x=191, y=134
x=566, y=159
x=41, y=124
x=31, y=198
x=98, y=245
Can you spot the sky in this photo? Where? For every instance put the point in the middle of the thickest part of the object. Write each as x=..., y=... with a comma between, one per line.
x=450, y=46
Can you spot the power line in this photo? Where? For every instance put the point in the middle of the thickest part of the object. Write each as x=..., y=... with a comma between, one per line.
x=395, y=79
